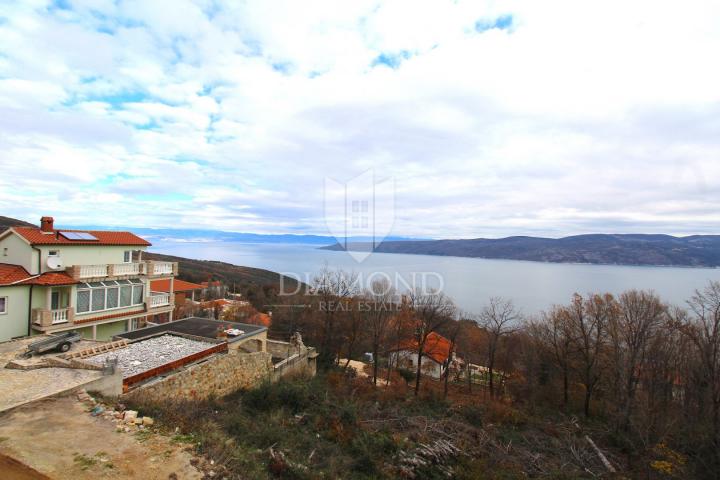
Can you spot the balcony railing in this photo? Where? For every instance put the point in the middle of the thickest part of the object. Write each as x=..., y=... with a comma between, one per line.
x=121, y=269
x=85, y=272
x=46, y=317
x=93, y=271
x=59, y=316
x=158, y=299
x=161, y=268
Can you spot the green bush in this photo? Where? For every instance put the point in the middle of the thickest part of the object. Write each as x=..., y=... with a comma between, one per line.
x=292, y=395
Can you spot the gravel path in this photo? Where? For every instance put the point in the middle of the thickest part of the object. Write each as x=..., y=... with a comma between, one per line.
x=142, y=356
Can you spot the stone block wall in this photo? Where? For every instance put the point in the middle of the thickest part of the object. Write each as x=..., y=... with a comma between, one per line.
x=218, y=376
x=302, y=363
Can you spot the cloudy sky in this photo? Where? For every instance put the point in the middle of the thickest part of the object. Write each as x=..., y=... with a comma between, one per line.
x=493, y=118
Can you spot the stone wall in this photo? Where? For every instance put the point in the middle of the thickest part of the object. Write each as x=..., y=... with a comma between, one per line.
x=302, y=363
x=218, y=376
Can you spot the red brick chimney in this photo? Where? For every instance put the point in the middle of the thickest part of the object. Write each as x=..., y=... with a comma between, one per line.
x=46, y=224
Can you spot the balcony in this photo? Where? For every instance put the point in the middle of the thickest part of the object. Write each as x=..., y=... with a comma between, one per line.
x=161, y=268
x=47, y=318
x=158, y=299
x=87, y=272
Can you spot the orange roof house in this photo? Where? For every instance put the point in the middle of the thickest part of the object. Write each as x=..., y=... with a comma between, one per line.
x=11, y=274
x=178, y=286
x=436, y=347
x=37, y=236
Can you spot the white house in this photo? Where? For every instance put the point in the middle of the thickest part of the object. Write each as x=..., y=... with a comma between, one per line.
x=436, y=352
x=94, y=282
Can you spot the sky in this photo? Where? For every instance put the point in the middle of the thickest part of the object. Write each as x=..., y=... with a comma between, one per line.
x=489, y=118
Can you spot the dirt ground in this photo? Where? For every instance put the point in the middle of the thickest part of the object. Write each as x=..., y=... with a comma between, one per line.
x=60, y=439
x=11, y=469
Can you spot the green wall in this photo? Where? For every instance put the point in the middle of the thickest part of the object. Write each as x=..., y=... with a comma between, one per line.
x=107, y=330
x=14, y=323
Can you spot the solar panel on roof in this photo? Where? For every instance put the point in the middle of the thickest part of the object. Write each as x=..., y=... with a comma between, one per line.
x=78, y=236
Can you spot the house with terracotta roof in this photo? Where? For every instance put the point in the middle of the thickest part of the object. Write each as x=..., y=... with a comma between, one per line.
x=94, y=282
x=437, y=355
x=181, y=289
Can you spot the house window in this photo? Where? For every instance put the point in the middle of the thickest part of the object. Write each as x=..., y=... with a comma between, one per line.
x=109, y=295
x=3, y=305
x=53, y=253
x=127, y=256
x=5, y=250
x=125, y=296
x=137, y=295
x=83, y=301
x=112, y=297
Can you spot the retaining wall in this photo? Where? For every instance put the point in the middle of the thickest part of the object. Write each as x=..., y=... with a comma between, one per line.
x=218, y=376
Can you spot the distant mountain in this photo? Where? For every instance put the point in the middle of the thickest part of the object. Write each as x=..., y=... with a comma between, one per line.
x=200, y=235
x=202, y=270
x=197, y=235
x=632, y=249
x=7, y=222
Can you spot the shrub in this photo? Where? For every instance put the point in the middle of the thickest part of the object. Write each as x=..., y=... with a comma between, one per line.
x=292, y=395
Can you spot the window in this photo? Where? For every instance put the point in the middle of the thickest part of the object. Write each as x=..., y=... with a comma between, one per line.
x=83, y=301
x=3, y=305
x=112, y=297
x=109, y=295
x=125, y=296
x=5, y=250
x=98, y=299
x=53, y=253
x=127, y=257
x=137, y=295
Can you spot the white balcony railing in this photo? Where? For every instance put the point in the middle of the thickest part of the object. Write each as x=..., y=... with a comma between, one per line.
x=162, y=268
x=127, y=269
x=84, y=272
x=92, y=271
x=158, y=299
x=59, y=316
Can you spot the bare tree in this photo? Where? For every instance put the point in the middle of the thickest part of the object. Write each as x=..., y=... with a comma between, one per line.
x=453, y=332
x=432, y=310
x=640, y=315
x=704, y=332
x=499, y=318
x=380, y=306
x=553, y=334
x=588, y=325
x=333, y=290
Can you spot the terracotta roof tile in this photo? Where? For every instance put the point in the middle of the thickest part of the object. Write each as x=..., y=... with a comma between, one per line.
x=436, y=347
x=36, y=237
x=51, y=278
x=178, y=286
x=10, y=274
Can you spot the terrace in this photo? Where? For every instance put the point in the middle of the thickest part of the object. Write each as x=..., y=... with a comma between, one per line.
x=149, y=268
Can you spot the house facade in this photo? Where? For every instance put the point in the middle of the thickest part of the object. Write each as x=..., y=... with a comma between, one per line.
x=94, y=282
x=437, y=355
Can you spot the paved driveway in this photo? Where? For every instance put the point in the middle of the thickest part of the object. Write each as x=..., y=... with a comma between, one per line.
x=23, y=386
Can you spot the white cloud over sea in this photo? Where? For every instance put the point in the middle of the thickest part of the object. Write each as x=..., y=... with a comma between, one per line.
x=495, y=118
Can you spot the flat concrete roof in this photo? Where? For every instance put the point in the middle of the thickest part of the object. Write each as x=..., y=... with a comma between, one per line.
x=138, y=357
x=199, y=327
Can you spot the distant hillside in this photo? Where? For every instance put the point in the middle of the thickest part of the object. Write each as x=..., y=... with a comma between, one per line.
x=200, y=270
x=634, y=249
x=7, y=222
